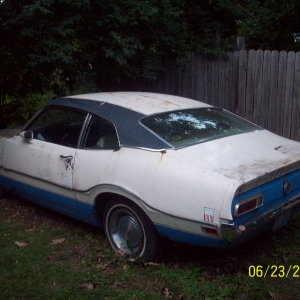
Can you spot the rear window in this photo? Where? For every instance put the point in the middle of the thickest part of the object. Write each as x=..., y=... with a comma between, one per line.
x=187, y=127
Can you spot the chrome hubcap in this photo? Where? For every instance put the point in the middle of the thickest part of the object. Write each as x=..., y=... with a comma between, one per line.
x=128, y=230
x=125, y=231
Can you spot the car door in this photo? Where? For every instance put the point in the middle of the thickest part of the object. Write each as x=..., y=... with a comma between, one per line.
x=97, y=152
x=41, y=169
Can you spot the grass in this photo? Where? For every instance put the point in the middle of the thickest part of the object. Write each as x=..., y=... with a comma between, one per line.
x=44, y=255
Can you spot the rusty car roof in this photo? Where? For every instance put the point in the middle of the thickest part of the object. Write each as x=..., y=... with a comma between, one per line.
x=144, y=103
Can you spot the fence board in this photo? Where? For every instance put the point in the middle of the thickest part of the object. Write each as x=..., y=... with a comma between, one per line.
x=186, y=88
x=273, y=91
x=262, y=86
x=265, y=90
x=215, y=82
x=207, y=83
x=235, y=79
x=250, y=87
x=257, y=87
x=281, y=91
x=201, y=77
x=295, y=130
x=222, y=96
x=242, y=83
x=229, y=85
x=195, y=75
x=288, y=95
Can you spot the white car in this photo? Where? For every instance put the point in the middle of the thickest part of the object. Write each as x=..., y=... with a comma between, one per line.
x=146, y=166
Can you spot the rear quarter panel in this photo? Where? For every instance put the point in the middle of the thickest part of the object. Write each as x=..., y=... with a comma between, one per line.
x=163, y=183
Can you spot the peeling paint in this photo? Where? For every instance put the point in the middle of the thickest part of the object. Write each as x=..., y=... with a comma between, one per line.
x=287, y=161
x=163, y=152
x=162, y=100
x=145, y=103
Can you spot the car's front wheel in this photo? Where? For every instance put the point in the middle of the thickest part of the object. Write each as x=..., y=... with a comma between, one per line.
x=128, y=228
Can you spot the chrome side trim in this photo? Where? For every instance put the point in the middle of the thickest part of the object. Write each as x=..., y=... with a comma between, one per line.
x=146, y=149
x=232, y=232
x=83, y=130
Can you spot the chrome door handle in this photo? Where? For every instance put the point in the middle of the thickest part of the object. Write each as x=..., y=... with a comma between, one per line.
x=68, y=157
x=67, y=161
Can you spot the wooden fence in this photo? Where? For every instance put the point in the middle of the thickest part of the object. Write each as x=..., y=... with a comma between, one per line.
x=261, y=86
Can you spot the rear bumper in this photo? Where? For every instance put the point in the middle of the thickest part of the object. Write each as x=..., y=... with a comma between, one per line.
x=232, y=232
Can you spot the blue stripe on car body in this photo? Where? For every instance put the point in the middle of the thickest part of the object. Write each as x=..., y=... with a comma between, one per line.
x=87, y=212
x=272, y=192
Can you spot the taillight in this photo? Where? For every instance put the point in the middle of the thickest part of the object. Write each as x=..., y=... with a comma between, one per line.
x=248, y=205
x=209, y=230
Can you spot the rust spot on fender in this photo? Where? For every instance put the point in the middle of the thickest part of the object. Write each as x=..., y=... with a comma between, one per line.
x=163, y=152
x=287, y=161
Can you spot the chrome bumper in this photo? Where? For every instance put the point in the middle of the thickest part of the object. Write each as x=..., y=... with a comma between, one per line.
x=231, y=232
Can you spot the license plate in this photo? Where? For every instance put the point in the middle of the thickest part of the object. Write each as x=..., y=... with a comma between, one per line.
x=281, y=219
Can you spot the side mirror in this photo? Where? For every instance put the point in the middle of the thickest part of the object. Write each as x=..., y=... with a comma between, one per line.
x=26, y=135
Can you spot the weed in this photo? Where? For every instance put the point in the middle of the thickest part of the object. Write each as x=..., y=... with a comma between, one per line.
x=79, y=265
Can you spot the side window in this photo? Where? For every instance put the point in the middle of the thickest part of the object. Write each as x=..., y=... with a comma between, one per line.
x=101, y=135
x=58, y=126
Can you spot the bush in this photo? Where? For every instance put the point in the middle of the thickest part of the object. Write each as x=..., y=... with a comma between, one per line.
x=18, y=110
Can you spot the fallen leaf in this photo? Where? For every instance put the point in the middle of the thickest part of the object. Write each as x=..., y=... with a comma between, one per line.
x=58, y=241
x=167, y=292
x=151, y=264
x=102, y=266
x=30, y=230
x=21, y=244
x=274, y=296
x=88, y=286
x=50, y=258
x=119, y=284
x=119, y=253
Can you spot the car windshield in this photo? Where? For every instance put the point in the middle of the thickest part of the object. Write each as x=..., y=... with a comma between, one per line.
x=187, y=127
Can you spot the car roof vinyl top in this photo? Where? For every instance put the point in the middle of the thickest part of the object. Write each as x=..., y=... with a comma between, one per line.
x=131, y=133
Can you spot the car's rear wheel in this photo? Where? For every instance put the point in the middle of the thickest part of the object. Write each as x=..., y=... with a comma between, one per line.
x=128, y=228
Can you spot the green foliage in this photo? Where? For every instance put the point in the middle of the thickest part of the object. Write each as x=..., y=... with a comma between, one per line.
x=19, y=110
x=114, y=38
x=267, y=24
x=198, y=282
x=45, y=255
x=99, y=44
